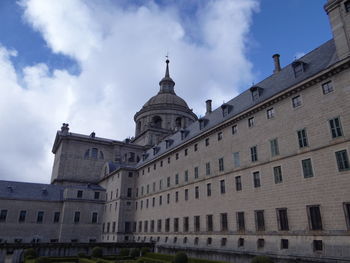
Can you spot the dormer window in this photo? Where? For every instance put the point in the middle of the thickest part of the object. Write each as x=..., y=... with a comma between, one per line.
x=144, y=156
x=347, y=6
x=202, y=123
x=184, y=134
x=226, y=109
x=256, y=92
x=168, y=143
x=155, y=150
x=298, y=67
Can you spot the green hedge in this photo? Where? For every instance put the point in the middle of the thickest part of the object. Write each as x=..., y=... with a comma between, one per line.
x=170, y=258
x=85, y=260
x=150, y=260
x=162, y=257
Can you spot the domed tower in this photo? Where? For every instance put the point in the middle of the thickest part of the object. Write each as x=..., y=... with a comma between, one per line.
x=162, y=114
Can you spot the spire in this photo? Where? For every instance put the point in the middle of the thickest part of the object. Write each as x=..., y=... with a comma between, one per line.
x=167, y=84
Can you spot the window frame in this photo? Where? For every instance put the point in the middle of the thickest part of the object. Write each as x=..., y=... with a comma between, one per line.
x=256, y=180
x=270, y=113
x=336, y=131
x=306, y=173
x=311, y=220
x=342, y=160
x=297, y=101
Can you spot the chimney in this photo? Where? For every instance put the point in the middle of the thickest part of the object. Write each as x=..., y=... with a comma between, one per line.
x=65, y=128
x=276, y=60
x=208, y=102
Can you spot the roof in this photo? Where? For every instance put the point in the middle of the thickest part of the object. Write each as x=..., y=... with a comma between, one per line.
x=35, y=191
x=166, y=98
x=315, y=61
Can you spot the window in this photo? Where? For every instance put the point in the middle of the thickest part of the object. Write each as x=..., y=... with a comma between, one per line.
x=40, y=217
x=129, y=193
x=79, y=194
x=224, y=222
x=251, y=122
x=234, y=129
x=56, y=217
x=219, y=136
x=186, y=176
x=282, y=219
x=335, y=126
x=94, y=152
x=153, y=201
x=145, y=226
x=94, y=218
x=168, y=159
x=256, y=179
x=254, y=153
x=277, y=173
x=147, y=189
x=176, y=156
x=196, y=192
x=327, y=87
x=160, y=184
x=207, y=168
x=209, y=241
x=186, y=224
x=209, y=189
x=195, y=147
x=302, y=138
x=221, y=164
x=347, y=6
x=270, y=113
x=274, y=147
x=168, y=198
x=22, y=216
x=236, y=160
x=168, y=181
x=207, y=142
x=186, y=152
x=97, y=195
x=259, y=220
x=76, y=217
x=284, y=243
x=197, y=224
x=186, y=194
x=159, y=225
x=238, y=182
x=314, y=215
x=347, y=213
x=154, y=166
x=222, y=187
x=196, y=241
x=296, y=101
x=176, y=178
x=140, y=226
x=175, y=240
x=160, y=200
x=209, y=223
x=240, y=221
x=342, y=160
x=196, y=173
x=260, y=243
x=185, y=240
x=176, y=196
x=307, y=168
x=167, y=225
x=240, y=242
x=152, y=226
x=318, y=245
x=223, y=241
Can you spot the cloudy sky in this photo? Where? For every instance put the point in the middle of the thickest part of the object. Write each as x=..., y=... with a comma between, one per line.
x=94, y=63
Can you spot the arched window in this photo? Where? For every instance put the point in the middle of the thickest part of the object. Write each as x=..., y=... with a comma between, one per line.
x=178, y=122
x=94, y=152
x=157, y=122
x=87, y=154
x=101, y=155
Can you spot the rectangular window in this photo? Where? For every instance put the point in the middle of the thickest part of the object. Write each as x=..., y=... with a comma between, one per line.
x=153, y=188
x=336, y=128
x=302, y=138
x=196, y=241
x=219, y=136
x=256, y=178
x=307, y=168
x=236, y=160
x=97, y=195
x=221, y=164
x=167, y=225
x=318, y=245
x=195, y=147
x=176, y=156
x=342, y=160
x=284, y=243
x=196, y=192
x=251, y=122
x=224, y=222
x=168, y=198
x=296, y=101
x=94, y=218
x=207, y=168
x=240, y=242
x=209, y=189
x=207, y=142
x=186, y=194
x=196, y=173
x=259, y=220
x=145, y=226
x=240, y=221
x=176, y=178
x=176, y=196
x=238, y=182
x=274, y=147
x=234, y=129
x=209, y=241
x=22, y=216
x=152, y=226
x=56, y=217
x=129, y=193
x=153, y=201
x=197, y=225
x=40, y=217
x=160, y=200
x=277, y=173
x=147, y=189
x=186, y=176
x=347, y=6
x=254, y=153
x=79, y=194
x=209, y=223
x=186, y=152
x=76, y=217
x=260, y=243
x=222, y=187
x=159, y=225
x=347, y=214
x=176, y=225
x=223, y=241
x=282, y=219
x=168, y=181
x=270, y=113
x=140, y=226
x=314, y=214
x=327, y=87
x=186, y=224
x=160, y=184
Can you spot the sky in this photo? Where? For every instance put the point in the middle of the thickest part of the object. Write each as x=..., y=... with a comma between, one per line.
x=94, y=63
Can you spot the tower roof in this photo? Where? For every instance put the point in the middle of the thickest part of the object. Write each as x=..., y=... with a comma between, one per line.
x=167, y=84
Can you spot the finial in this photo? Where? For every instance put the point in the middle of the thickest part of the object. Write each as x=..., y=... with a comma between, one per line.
x=167, y=65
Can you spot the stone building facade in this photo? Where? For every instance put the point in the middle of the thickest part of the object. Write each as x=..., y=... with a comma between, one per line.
x=266, y=173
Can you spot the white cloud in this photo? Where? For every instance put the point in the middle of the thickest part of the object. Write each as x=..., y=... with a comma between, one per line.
x=120, y=50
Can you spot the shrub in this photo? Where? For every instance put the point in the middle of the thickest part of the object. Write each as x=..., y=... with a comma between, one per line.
x=145, y=250
x=30, y=253
x=135, y=252
x=261, y=259
x=180, y=257
x=124, y=252
x=82, y=255
x=97, y=252
x=42, y=260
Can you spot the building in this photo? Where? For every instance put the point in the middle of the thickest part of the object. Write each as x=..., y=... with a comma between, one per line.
x=266, y=173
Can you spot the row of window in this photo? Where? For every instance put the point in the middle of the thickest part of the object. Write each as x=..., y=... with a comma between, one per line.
x=40, y=216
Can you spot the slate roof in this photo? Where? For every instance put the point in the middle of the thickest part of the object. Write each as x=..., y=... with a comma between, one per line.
x=34, y=191
x=315, y=61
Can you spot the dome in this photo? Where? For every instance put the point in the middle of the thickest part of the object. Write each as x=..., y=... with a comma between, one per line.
x=166, y=98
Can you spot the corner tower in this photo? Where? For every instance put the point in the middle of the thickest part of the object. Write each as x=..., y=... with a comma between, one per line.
x=162, y=114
